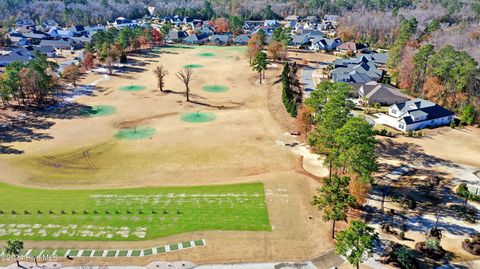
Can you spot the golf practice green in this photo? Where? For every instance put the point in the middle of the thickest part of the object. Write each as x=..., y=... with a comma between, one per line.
x=198, y=117
x=135, y=133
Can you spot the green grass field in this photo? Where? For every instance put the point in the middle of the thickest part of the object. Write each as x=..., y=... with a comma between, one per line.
x=129, y=214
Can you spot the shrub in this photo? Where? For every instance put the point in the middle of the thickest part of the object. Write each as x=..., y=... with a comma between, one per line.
x=404, y=256
x=432, y=244
x=463, y=191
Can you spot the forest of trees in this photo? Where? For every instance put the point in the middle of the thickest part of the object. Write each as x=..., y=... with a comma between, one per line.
x=98, y=11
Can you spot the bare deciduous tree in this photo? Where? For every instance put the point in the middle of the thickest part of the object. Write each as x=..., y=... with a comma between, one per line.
x=161, y=73
x=186, y=75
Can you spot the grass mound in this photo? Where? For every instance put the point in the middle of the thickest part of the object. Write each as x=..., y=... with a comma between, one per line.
x=193, y=66
x=198, y=117
x=129, y=214
x=215, y=88
x=99, y=111
x=206, y=54
x=132, y=88
x=140, y=132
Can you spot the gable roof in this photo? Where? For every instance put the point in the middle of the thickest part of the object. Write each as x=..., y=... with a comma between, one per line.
x=221, y=38
x=9, y=55
x=382, y=93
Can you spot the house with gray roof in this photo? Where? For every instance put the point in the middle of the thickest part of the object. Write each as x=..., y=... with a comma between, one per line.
x=196, y=39
x=241, y=40
x=322, y=43
x=299, y=41
x=221, y=40
x=383, y=94
x=418, y=114
x=312, y=33
x=312, y=19
x=9, y=55
x=48, y=50
x=357, y=73
x=60, y=44
x=175, y=36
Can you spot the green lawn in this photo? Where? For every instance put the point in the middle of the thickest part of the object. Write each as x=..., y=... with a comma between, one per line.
x=129, y=214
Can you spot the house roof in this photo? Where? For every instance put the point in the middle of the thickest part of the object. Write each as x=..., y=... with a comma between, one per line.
x=174, y=34
x=292, y=18
x=63, y=42
x=42, y=49
x=242, y=38
x=431, y=112
x=221, y=38
x=313, y=33
x=299, y=39
x=10, y=54
x=382, y=93
x=352, y=46
x=196, y=37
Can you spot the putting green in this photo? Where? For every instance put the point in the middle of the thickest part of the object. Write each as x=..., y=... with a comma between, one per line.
x=99, y=111
x=140, y=132
x=215, y=88
x=132, y=88
x=206, y=54
x=193, y=66
x=197, y=117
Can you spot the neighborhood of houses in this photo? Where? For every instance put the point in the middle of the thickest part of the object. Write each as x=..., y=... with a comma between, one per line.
x=364, y=70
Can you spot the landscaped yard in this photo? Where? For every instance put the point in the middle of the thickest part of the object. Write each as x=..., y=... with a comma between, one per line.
x=129, y=214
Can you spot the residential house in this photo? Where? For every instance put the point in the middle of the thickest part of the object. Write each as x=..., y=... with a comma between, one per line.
x=9, y=55
x=175, y=36
x=356, y=70
x=352, y=47
x=327, y=44
x=48, y=50
x=418, y=114
x=196, y=39
x=221, y=40
x=299, y=41
x=49, y=24
x=270, y=25
x=311, y=19
x=294, y=18
x=252, y=26
x=383, y=94
x=24, y=23
x=207, y=30
x=121, y=22
x=313, y=33
x=333, y=19
x=241, y=40
x=79, y=30
x=60, y=44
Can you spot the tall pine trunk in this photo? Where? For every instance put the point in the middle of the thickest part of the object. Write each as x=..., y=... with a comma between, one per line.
x=333, y=229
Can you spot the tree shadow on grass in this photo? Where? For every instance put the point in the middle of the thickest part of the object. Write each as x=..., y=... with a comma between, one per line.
x=410, y=153
x=31, y=123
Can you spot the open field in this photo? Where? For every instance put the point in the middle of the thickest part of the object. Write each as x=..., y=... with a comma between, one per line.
x=129, y=214
x=143, y=139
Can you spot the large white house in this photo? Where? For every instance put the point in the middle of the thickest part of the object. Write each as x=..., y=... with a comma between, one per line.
x=417, y=114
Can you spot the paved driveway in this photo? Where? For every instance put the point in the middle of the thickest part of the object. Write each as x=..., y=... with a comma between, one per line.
x=306, y=80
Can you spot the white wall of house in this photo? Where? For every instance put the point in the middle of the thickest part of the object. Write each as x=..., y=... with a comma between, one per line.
x=424, y=124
